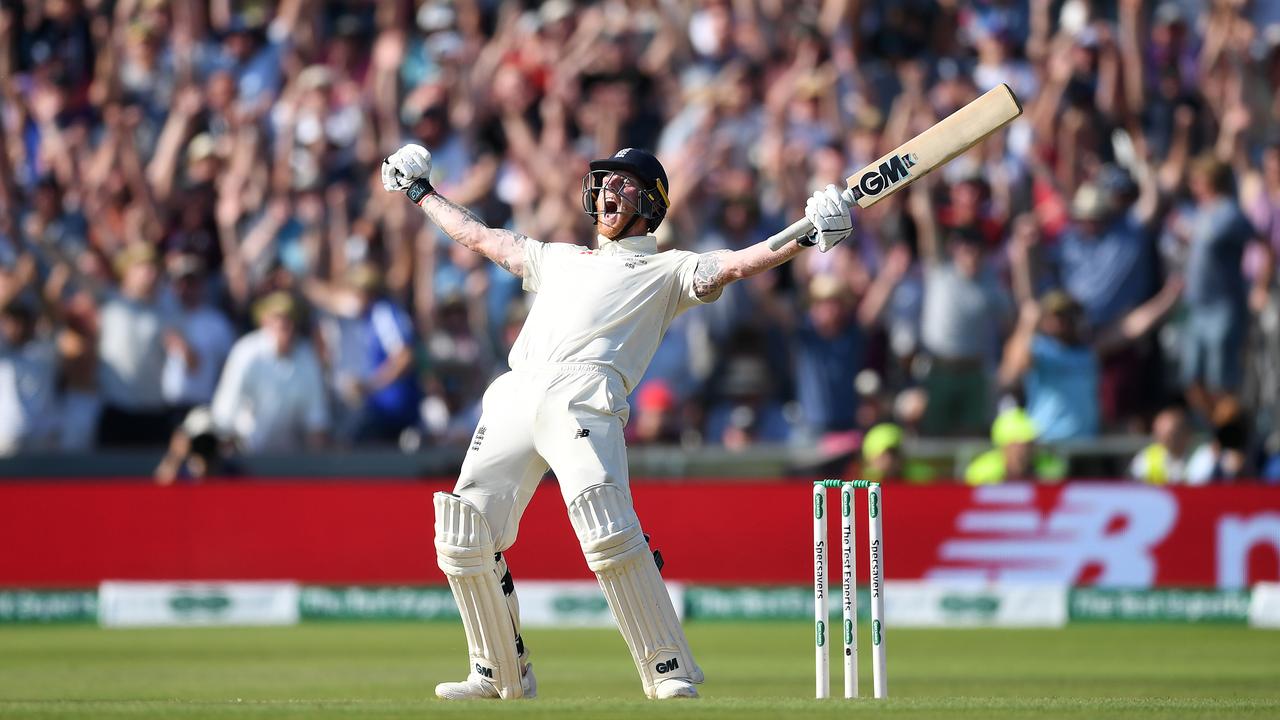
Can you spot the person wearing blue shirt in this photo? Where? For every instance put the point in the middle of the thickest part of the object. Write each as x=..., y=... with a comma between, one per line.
x=1106, y=258
x=1058, y=368
x=1056, y=358
x=388, y=384
x=384, y=387
x=829, y=350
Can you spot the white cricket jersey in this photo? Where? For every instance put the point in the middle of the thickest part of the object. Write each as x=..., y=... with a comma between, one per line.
x=608, y=307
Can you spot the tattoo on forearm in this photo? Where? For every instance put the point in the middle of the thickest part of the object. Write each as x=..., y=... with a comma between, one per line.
x=459, y=223
x=504, y=247
x=707, y=276
x=513, y=243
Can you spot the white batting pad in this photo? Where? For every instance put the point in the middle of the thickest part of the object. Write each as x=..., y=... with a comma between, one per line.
x=616, y=551
x=464, y=551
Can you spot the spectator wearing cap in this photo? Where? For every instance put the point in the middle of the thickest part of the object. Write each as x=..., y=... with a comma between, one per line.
x=194, y=230
x=963, y=312
x=829, y=349
x=884, y=460
x=1106, y=258
x=1057, y=357
x=146, y=74
x=384, y=386
x=1015, y=456
x=1050, y=352
x=656, y=419
x=136, y=333
x=271, y=395
x=882, y=453
x=28, y=371
x=191, y=368
x=1106, y=262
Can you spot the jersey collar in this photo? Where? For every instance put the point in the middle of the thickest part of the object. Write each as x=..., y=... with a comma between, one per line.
x=642, y=244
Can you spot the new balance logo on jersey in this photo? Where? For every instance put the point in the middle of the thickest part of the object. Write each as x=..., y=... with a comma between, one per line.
x=663, y=668
x=479, y=438
x=486, y=672
x=582, y=432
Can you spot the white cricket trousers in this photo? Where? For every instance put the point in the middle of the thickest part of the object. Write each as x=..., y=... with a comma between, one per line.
x=568, y=416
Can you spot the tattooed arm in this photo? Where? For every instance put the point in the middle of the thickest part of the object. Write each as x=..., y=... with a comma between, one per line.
x=721, y=267
x=408, y=171
x=504, y=247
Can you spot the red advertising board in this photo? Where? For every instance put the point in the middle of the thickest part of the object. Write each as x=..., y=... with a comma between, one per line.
x=73, y=534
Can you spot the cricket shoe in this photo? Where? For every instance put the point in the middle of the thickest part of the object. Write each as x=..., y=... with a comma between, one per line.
x=476, y=687
x=674, y=688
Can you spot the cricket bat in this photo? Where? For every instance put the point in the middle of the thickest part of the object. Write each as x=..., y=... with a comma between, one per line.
x=922, y=154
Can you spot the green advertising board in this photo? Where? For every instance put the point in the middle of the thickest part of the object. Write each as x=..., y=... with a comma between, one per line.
x=48, y=606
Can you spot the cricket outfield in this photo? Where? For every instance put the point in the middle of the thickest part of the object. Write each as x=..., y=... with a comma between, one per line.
x=755, y=670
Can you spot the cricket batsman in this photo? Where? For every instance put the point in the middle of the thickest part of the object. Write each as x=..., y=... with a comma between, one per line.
x=593, y=328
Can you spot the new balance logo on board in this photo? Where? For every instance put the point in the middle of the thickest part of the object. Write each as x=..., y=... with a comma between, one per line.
x=582, y=432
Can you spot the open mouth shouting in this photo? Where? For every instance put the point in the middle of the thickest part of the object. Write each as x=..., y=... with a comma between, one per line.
x=611, y=212
x=611, y=209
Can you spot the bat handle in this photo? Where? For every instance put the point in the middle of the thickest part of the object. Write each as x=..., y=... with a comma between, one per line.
x=795, y=231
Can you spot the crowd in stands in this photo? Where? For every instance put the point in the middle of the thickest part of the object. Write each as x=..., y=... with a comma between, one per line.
x=193, y=235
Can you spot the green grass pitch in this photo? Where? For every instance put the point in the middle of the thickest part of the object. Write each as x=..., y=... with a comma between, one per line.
x=755, y=670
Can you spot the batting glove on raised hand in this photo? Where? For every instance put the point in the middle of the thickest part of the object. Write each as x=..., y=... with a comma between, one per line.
x=828, y=210
x=409, y=163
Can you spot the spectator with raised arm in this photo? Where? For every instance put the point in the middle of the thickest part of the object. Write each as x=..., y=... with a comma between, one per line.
x=1057, y=357
x=384, y=390
x=963, y=314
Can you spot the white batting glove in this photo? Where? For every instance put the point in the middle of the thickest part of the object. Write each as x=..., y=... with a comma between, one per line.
x=404, y=166
x=828, y=210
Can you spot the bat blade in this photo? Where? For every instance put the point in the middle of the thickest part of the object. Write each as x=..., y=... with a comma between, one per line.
x=922, y=154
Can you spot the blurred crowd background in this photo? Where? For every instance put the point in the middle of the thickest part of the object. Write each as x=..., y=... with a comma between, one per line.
x=195, y=251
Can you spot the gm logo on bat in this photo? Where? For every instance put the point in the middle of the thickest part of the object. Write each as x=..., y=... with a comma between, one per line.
x=888, y=174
